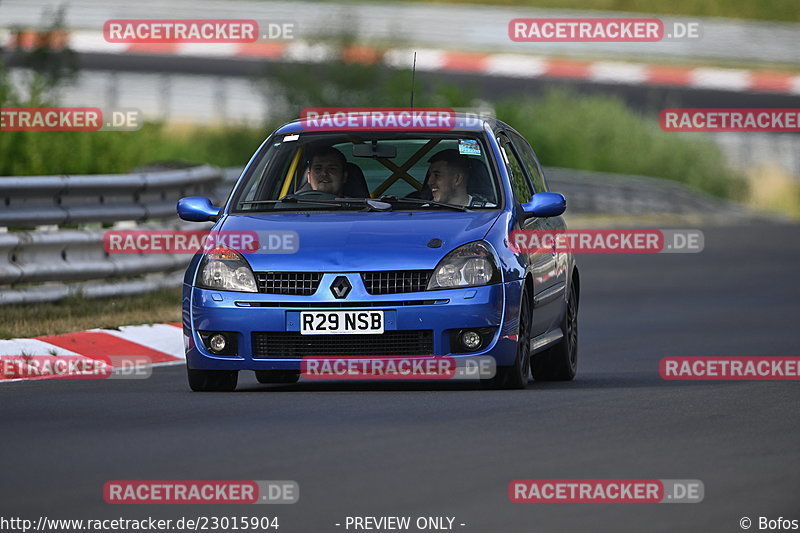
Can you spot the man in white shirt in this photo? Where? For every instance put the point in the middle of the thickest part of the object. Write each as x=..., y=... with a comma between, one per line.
x=449, y=176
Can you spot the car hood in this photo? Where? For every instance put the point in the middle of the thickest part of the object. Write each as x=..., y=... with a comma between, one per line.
x=359, y=241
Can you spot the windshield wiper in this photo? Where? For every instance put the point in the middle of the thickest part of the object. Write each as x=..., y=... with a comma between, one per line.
x=420, y=201
x=369, y=203
x=290, y=199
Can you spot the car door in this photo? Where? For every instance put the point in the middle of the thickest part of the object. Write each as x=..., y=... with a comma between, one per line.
x=547, y=266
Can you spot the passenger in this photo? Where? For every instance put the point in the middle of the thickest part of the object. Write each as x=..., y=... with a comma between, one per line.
x=327, y=171
x=449, y=176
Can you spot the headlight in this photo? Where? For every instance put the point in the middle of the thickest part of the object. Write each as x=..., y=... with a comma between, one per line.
x=226, y=270
x=470, y=265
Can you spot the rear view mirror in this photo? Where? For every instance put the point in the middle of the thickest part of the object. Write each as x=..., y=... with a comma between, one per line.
x=374, y=150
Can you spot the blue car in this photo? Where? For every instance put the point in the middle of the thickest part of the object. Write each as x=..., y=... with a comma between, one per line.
x=378, y=243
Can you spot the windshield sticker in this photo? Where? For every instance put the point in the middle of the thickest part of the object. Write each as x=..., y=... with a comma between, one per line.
x=291, y=138
x=468, y=147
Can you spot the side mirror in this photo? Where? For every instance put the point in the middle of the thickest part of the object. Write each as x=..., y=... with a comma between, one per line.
x=197, y=209
x=545, y=204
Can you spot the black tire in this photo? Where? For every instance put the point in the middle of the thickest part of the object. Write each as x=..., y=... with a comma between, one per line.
x=212, y=380
x=277, y=376
x=560, y=362
x=516, y=376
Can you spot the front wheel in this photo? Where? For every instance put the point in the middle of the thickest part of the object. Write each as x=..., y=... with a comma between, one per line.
x=212, y=380
x=516, y=376
x=560, y=362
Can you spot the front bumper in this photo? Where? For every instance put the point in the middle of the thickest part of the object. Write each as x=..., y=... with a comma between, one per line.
x=440, y=312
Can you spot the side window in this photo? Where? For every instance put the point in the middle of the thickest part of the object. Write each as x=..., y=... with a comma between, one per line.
x=519, y=182
x=529, y=159
x=255, y=186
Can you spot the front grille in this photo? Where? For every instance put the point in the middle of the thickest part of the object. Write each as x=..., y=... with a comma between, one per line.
x=395, y=281
x=294, y=283
x=340, y=305
x=293, y=344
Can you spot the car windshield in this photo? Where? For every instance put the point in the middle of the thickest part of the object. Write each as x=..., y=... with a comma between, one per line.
x=370, y=171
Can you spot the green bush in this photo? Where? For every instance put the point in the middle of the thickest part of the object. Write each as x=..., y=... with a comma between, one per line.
x=338, y=83
x=601, y=133
x=568, y=130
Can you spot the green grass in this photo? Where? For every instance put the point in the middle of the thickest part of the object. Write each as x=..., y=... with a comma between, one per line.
x=78, y=314
x=779, y=10
x=33, y=153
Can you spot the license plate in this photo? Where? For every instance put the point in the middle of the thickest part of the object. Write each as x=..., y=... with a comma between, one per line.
x=339, y=322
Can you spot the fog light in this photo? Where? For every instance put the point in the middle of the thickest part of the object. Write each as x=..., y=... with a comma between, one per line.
x=217, y=343
x=470, y=339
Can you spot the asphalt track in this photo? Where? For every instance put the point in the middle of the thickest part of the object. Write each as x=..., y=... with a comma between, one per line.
x=450, y=449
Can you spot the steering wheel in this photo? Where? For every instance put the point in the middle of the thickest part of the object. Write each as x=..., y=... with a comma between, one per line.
x=305, y=195
x=311, y=194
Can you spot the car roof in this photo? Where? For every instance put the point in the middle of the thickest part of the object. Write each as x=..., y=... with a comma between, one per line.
x=470, y=122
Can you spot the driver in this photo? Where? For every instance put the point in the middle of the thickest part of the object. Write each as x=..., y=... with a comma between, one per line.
x=326, y=171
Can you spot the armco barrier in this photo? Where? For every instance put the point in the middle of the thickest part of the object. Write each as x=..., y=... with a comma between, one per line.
x=615, y=194
x=31, y=201
x=39, y=264
x=41, y=260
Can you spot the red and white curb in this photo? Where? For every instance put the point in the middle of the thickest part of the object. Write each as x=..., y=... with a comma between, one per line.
x=433, y=60
x=161, y=344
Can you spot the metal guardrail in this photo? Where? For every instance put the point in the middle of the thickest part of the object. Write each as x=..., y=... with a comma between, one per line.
x=600, y=192
x=49, y=264
x=72, y=255
x=31, y=201
x=40, y=261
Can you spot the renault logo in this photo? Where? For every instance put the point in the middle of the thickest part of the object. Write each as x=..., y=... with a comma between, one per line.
x=340, y=287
